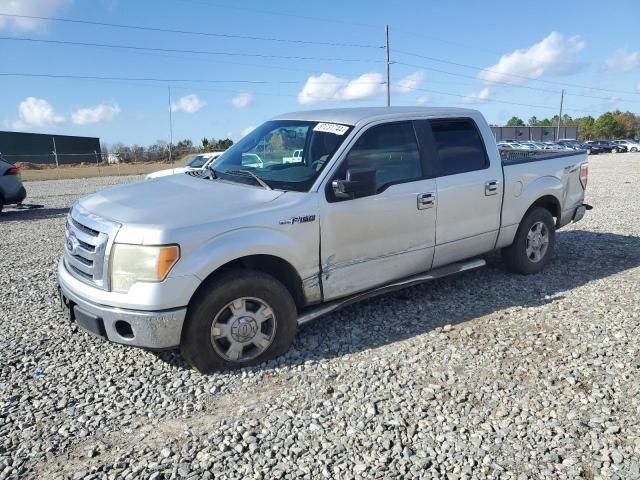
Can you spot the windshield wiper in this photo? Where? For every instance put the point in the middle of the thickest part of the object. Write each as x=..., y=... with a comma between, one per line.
x=250, y=174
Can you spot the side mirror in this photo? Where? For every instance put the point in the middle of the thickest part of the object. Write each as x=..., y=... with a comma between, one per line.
x=360, y=182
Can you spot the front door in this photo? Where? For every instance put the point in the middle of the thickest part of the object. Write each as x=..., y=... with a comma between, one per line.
x=372, y=240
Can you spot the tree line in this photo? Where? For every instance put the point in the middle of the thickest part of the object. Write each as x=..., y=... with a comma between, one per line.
x=609, y=125
x=159, y=151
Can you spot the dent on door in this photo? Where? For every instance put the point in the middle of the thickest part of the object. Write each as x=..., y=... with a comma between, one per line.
x=370, y=241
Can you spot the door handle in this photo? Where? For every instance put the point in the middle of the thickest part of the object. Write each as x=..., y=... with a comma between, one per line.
x=491, y=188
x=426, y=200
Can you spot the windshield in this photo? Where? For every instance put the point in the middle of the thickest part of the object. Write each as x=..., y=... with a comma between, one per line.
x=197, y=162
x=284, y=154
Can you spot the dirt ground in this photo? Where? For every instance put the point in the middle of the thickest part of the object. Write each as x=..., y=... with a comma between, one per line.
x=91, y=171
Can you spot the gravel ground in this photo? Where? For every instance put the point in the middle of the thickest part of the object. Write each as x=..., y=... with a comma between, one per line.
x=481, y=375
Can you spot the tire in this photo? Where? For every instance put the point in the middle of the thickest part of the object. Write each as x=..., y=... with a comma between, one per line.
x=634, y=149
x=518, y=257
x=239, y=318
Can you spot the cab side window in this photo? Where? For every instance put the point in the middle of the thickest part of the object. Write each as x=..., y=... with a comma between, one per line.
x=391, y=149
x=459, y=146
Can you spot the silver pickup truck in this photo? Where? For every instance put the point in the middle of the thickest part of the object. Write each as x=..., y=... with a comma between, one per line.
x=225, y=264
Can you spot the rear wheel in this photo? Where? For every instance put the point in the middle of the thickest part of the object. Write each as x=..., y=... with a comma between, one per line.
x=534, y=243
x=634, y=149
x=241, y=318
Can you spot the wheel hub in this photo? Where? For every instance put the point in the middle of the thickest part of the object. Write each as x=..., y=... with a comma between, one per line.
x=244, y=329
x=537, y=242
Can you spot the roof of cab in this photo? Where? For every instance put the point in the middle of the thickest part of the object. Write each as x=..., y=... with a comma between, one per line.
x=353, y=116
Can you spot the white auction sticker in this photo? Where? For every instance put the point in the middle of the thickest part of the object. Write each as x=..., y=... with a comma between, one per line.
x=331, y=128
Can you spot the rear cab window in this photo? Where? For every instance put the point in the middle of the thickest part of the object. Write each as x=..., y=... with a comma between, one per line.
x=456, y=143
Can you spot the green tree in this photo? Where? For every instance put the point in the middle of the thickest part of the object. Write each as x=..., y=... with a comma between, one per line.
x=533, y=121
x=545, y=123
x=586, y=128
x=224, y=144
x=627, y=124
x=515, y=122
x=605, y=126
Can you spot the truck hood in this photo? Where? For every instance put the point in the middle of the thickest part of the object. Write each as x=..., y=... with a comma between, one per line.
x=176, y=200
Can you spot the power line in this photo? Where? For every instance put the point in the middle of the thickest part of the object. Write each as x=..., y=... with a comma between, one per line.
x=168, y=80
x=280, y=14
x=186, y=32
x=475, y=67
x=507, y=84
x=493, y=100
x=174, y=50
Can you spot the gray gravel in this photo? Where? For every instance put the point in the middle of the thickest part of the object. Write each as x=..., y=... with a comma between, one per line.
x=482, y=375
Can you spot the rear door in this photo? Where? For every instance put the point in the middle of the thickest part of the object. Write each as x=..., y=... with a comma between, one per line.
x=373, y=240
x=469, y=189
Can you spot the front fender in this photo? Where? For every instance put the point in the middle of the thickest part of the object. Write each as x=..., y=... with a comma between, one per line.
x=298, y=245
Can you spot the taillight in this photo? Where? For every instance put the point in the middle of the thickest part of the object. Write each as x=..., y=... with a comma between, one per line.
x=12, y=171
x=584, y=175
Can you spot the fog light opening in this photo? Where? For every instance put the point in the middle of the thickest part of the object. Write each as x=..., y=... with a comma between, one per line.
x=124, y=329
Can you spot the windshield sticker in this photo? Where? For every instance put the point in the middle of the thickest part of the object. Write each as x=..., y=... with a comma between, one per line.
x=331, y=128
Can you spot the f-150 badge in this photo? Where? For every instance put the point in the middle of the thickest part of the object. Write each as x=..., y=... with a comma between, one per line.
x=294, y=220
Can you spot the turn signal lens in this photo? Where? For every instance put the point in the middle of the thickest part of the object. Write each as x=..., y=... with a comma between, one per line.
x=167, y=259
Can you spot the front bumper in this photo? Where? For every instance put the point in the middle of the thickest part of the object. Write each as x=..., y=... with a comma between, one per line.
x=148, y=329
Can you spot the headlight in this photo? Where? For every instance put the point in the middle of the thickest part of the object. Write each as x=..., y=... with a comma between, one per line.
x=140, y=263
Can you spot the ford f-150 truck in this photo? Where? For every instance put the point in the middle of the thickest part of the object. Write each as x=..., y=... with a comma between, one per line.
x=382, y=198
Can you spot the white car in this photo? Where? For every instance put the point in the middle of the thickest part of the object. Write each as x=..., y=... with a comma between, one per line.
x=198, y=162
x=631, y=145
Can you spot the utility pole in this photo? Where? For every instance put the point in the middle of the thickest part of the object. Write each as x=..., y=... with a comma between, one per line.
x=386, y=46
x=560, y=116
x=55, y=156
x=170, y=127
x=55, y=151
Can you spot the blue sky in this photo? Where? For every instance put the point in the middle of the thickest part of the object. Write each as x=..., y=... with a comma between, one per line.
x=529, y=52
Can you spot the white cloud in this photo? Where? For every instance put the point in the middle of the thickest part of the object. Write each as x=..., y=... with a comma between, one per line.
x=100, y=113
x=478, y=97
x=36, y=112
x=408, y=83
x=188, y=104
x=330, y=88
x=555, y=55
x=37, y=8
x=423, y=99
x=243, y=100
x=624, y=60
x=247, y=131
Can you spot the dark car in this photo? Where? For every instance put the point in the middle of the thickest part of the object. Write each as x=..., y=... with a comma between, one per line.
x=11, y=188
x=577, y=145
x=604, y=146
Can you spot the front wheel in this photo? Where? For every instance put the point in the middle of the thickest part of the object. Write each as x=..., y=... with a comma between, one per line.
x=240, y=318
x=534, y=243
x=634, y=149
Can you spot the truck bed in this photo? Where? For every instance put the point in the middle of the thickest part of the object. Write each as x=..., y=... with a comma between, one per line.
x=530, y=175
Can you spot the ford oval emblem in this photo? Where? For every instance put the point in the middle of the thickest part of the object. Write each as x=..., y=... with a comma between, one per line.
x=72, y=244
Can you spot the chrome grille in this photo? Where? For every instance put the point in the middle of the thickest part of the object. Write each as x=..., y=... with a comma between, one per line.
x=88, y=241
